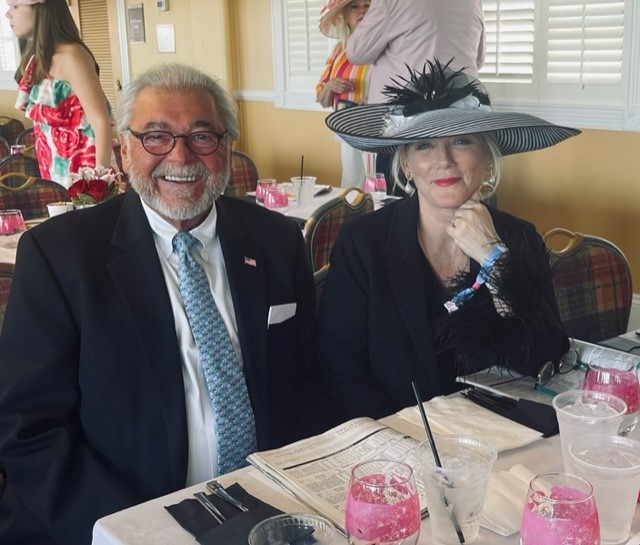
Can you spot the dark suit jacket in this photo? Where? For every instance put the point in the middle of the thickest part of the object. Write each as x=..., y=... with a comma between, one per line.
x=381, y=326
x=92, y=406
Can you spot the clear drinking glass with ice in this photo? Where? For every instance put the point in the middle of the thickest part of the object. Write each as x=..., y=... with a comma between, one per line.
x=455, y=492
x=586, y=411
x=612, y=465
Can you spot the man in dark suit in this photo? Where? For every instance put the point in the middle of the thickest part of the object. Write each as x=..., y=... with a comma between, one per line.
x=103, y=403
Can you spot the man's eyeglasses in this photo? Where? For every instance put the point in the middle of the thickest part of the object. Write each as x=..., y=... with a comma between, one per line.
x=162, y=142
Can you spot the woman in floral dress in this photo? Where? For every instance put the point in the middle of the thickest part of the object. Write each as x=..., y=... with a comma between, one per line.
x=59, y=90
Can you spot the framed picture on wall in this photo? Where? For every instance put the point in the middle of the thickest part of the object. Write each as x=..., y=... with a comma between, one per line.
x=135, y=23
x=166, y=38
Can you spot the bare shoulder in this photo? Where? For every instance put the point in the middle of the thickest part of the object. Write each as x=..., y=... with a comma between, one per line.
x=69, y=59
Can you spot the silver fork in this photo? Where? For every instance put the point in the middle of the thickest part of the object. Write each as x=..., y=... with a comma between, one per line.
x=216, y=488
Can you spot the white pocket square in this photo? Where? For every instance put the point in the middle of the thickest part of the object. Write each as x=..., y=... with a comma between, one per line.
x=281, y=313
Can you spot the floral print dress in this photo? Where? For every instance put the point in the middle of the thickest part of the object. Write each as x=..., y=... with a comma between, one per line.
x=64, y=139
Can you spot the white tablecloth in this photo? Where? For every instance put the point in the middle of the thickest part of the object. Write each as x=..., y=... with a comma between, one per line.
x=8, y=245
x=304, y=212
x=150, y=524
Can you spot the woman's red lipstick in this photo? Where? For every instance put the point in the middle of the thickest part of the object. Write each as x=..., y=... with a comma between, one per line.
x=445, y=182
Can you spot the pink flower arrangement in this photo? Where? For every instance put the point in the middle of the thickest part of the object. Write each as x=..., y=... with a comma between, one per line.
x=93, y=185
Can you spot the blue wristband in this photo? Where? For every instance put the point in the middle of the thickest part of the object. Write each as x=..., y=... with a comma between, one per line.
x=462, y=296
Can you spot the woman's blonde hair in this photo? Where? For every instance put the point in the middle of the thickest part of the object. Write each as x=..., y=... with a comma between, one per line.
x=53, y=25
x=486, y=189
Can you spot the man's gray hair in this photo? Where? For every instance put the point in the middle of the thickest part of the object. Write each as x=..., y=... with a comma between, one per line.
x=176, y=76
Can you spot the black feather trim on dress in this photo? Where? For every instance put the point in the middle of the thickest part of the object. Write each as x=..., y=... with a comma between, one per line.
x=522, y=340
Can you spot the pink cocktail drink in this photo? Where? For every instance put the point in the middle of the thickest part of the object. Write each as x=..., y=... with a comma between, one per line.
x=276, y=199
x=263, y=186
x=567, y=516
x=617, y=377
x=382, y=509
x=11, y=222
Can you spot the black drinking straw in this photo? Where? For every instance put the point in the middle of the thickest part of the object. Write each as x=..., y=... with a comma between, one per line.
x=301, y=166
x=436, y=458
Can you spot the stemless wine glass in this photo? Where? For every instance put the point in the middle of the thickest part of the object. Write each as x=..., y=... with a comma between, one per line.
x=380, y=186
x=263, y=186
x=617, y=377
x=369, y=185
x=11, y=222
x=277, y=199
x=560, y=509
x=382, y=504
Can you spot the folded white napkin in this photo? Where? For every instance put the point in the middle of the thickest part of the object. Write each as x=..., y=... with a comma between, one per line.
x=456, y=414
x=506, y=494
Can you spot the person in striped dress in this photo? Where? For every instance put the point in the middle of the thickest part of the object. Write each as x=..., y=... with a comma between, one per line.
x=343, y=84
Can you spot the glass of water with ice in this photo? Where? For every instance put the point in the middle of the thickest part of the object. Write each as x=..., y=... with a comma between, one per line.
x=612, y=465
x=586, y=411
x=455, y=492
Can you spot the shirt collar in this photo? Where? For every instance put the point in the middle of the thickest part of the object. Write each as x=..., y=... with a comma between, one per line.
x=163, y=231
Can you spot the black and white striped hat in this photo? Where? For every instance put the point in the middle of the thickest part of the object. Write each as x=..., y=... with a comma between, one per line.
x=435, y=110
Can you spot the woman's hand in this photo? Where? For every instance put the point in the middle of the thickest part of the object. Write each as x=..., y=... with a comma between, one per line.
x=334, y=85
x=473, y=231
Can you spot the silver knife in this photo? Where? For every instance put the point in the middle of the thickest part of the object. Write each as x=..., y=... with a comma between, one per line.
x=215, y=487
x=210, y=507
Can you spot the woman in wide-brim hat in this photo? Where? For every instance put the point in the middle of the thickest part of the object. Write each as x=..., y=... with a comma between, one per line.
x=439, y=284
x=343, y=84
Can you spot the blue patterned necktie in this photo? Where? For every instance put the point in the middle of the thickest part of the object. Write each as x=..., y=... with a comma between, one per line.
x=236, y=435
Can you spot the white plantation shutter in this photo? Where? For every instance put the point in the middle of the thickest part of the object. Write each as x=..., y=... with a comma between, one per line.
x=303, y=49
x=575, y=62
x=510, y=32
x=9, y=54
x=585, y=42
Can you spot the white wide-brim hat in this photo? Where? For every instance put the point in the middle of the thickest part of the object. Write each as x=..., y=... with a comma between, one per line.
x=329, y=16
x=381, y=128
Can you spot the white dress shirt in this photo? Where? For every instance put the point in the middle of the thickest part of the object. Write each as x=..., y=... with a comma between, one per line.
x=201, y=424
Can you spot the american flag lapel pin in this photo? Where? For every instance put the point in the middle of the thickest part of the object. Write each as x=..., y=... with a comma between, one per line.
x=250, y=261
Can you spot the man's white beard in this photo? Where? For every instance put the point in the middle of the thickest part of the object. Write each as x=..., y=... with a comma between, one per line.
x=187, y=208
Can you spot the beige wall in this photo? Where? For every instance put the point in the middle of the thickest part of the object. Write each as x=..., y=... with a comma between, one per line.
x=590, y=183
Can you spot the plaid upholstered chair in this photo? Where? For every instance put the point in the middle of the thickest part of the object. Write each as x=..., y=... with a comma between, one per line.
x=6, y=275
x=244, y=175
x=24, y=162
x=5, y=148
x=32, y=196
x=26, y=138
x=592, y=283
x=10, y=128
x=321, y=229
x=319, y=279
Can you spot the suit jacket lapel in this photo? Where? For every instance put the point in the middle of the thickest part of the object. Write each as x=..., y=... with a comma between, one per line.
x=138, y=275
x=244, y=262
x=406, y=270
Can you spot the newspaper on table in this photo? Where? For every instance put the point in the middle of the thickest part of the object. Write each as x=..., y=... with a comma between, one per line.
x=511, y=383
x=317, y=470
